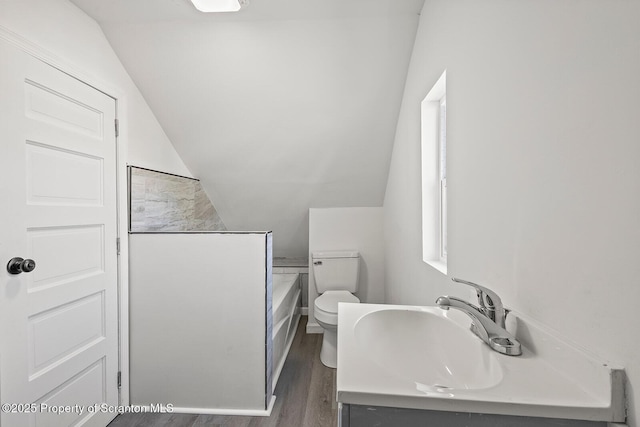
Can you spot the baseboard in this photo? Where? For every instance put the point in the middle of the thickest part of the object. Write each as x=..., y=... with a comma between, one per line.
x=314, y=328
x=216, y=411
x=304, y=311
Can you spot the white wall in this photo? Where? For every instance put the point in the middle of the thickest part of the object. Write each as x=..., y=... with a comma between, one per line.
x=68, y=33
x=349, y=228
x=277, y=114
x=543, y=108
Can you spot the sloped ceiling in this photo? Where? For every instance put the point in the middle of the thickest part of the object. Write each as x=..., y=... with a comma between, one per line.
x=283, y=106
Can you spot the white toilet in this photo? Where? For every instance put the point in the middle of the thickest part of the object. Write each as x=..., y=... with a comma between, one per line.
x=336, y=277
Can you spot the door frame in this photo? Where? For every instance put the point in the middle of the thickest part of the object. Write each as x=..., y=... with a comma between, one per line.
x=120, y=98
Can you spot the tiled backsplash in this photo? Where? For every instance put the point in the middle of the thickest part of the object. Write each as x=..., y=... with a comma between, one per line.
x=165, y=202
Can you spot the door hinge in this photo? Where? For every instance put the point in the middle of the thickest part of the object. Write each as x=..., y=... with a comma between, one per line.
x=119, y=379
x=117, y=124
x=117, y=246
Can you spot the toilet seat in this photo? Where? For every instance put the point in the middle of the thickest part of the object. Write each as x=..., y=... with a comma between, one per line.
x=326, y=305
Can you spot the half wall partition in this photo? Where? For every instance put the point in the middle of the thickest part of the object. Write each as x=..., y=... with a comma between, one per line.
x=201, y=321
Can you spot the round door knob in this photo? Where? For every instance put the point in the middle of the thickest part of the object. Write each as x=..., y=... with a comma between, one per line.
x=18, y=265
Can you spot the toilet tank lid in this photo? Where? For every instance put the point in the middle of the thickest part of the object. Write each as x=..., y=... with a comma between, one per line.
x=335, y=254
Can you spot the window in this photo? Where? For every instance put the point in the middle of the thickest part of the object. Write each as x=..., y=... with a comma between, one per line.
x=442, y=154
x=434, y=176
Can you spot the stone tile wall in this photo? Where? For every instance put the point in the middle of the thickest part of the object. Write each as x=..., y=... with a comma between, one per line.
x=164, y=202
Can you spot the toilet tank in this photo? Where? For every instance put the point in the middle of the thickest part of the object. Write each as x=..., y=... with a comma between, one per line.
x=336, y=270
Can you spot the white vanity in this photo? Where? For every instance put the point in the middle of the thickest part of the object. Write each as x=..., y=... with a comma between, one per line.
x=422, y=366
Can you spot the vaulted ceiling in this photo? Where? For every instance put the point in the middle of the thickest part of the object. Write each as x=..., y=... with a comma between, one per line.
x=283, y=106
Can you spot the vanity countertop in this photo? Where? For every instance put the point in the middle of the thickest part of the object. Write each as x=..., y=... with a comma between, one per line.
x=550, y=379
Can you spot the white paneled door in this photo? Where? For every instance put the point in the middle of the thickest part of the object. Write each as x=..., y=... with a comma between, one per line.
x=58, y=323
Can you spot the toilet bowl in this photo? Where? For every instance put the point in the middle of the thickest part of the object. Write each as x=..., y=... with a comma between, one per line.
x=336, y=278
x=326, y=314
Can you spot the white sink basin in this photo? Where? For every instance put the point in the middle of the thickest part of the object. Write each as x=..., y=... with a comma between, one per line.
x=428, y=349
x=427, y=358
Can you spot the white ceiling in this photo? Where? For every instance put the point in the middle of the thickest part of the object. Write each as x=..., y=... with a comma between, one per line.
x=283, y=106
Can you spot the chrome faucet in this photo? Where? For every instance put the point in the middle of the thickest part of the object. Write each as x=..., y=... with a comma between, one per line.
x=487, y=320
x=489, y=302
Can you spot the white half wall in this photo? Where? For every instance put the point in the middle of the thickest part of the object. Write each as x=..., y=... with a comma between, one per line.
x=200, y=328
x=349, y=228
x=65, y=31
x=543, y=130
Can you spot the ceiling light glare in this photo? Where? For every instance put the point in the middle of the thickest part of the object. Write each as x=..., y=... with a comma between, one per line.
x=219, y=5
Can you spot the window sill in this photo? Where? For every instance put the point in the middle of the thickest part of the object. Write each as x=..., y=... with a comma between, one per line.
x=439, y=265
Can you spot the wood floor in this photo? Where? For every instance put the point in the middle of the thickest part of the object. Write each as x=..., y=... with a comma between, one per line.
x=305, y=396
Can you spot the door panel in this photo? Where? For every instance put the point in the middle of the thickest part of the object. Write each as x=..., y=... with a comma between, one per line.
x=58, y=324
x=78, y=254
x=84, y=319
x=63, y=187
x=74, y=390
x=48, y=106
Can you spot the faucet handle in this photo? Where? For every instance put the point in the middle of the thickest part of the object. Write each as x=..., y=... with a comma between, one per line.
x=488, y=300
